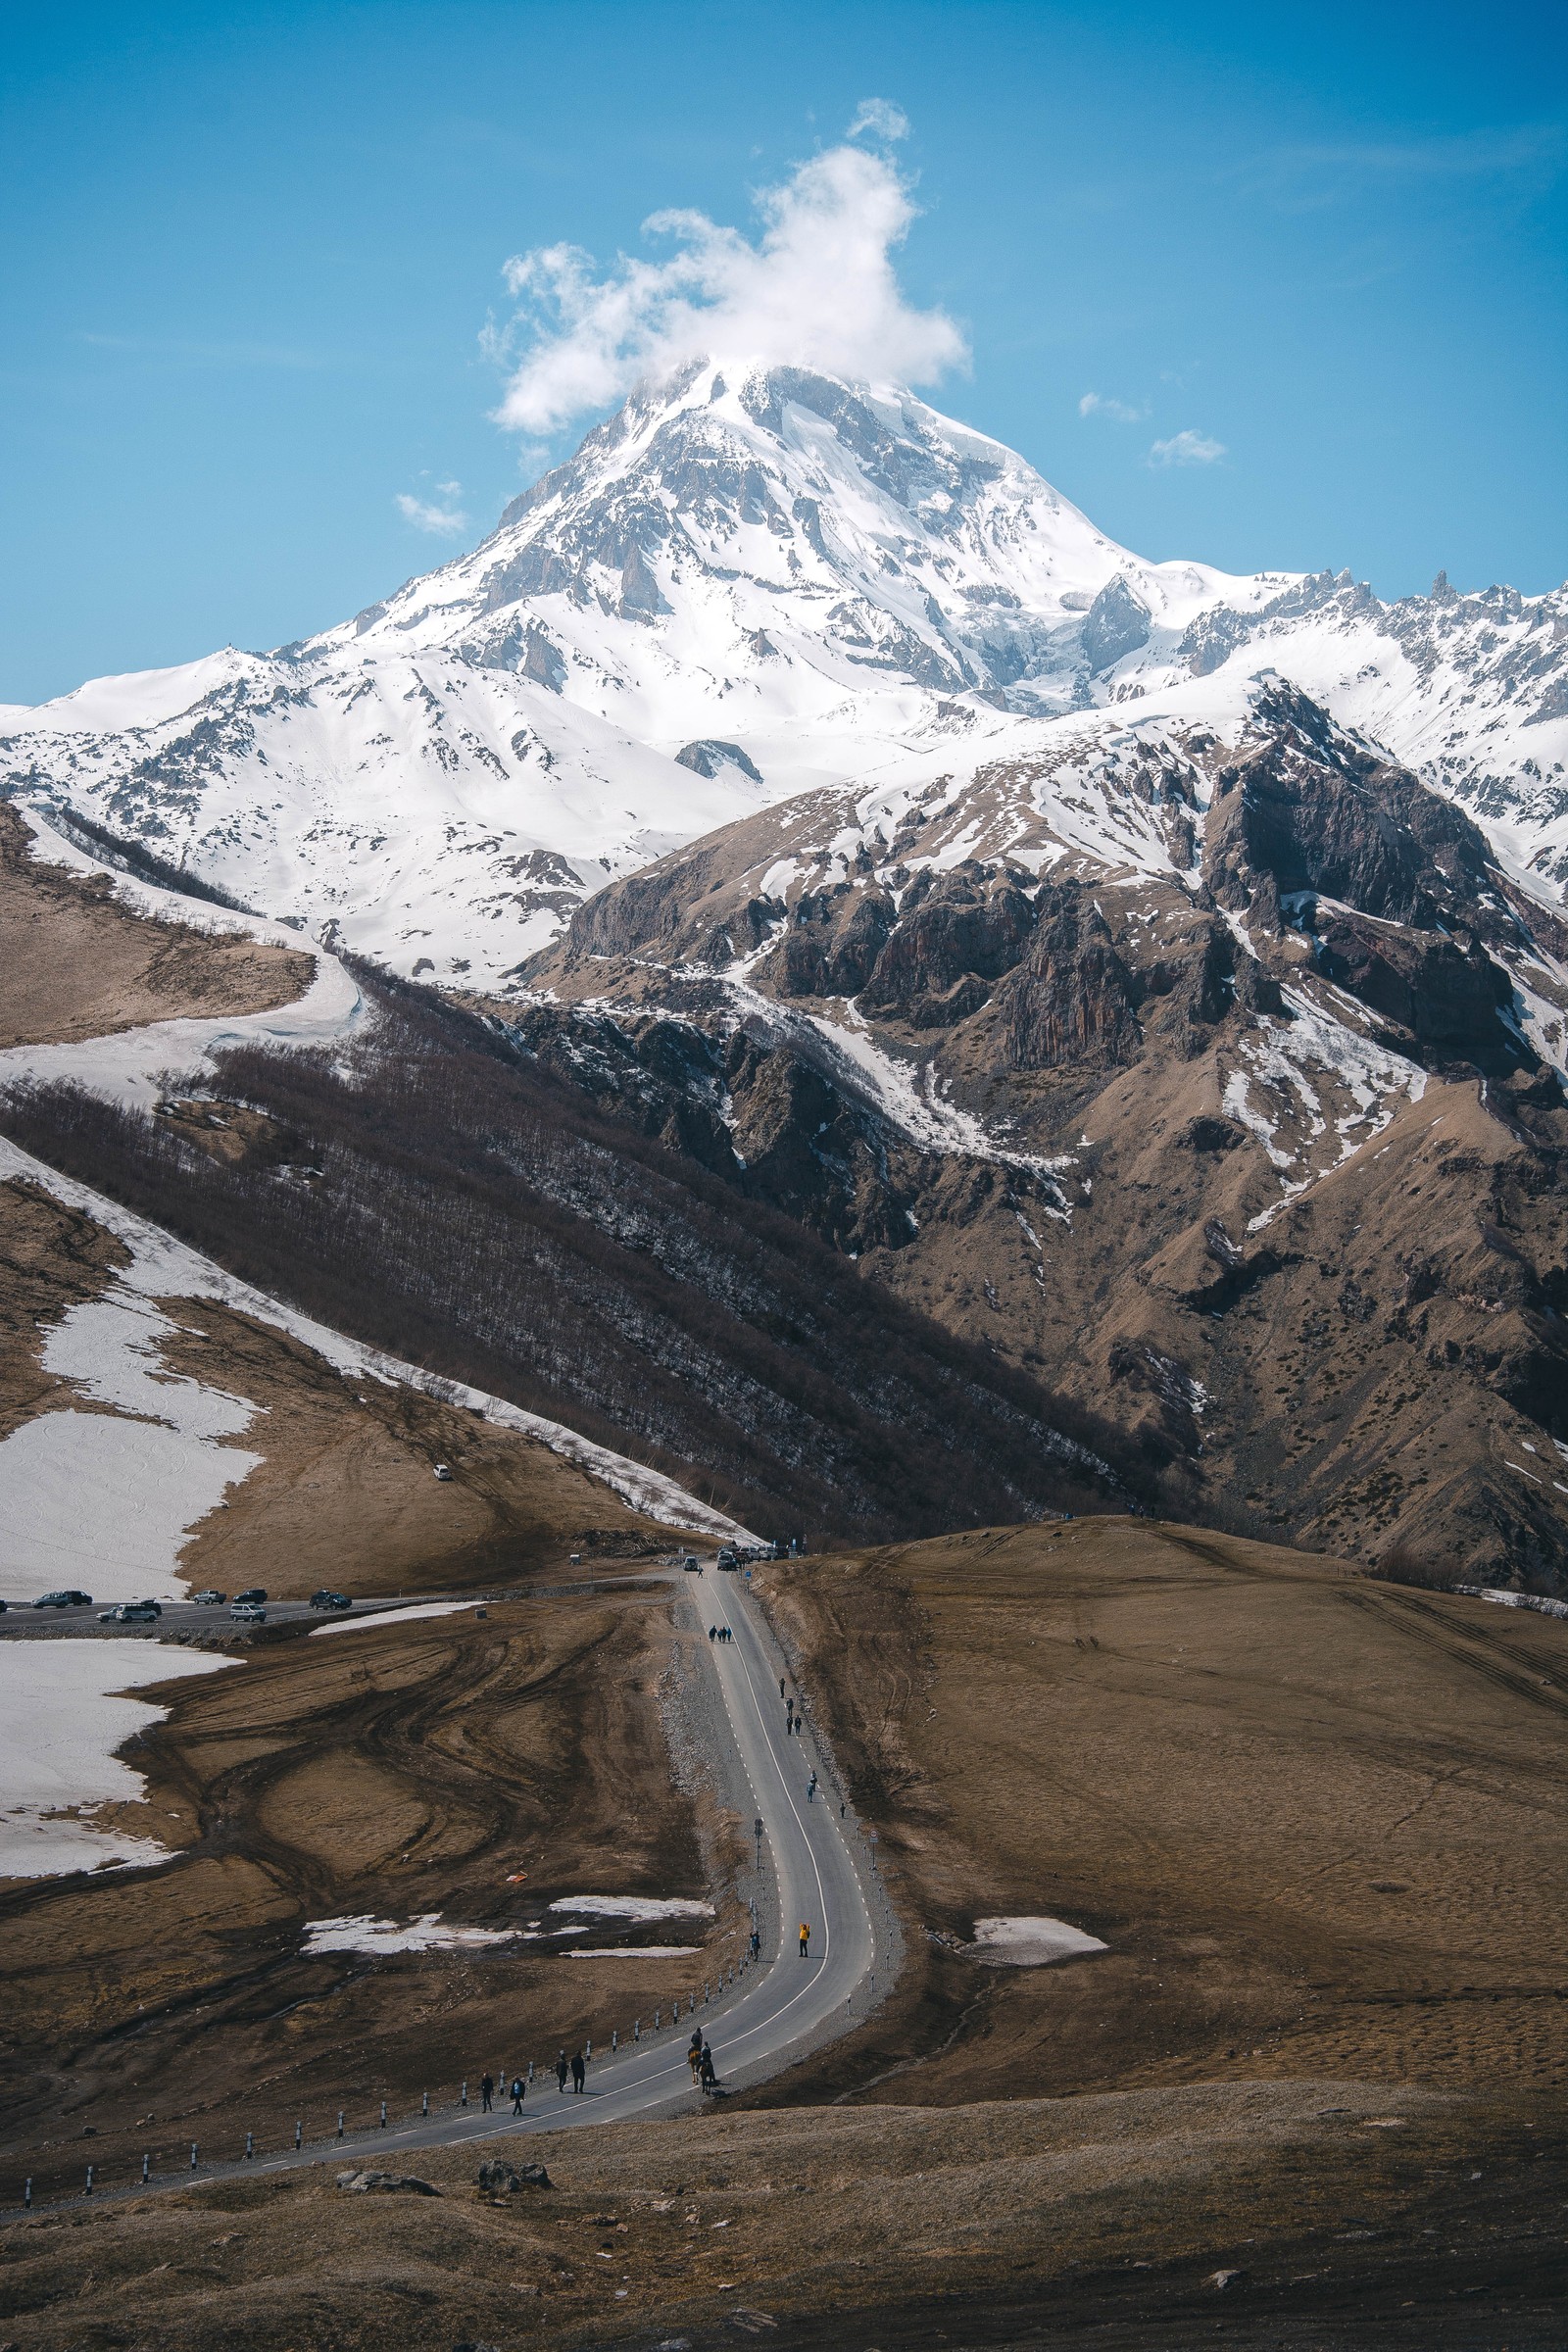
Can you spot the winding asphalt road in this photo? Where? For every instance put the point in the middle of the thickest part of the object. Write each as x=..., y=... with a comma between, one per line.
x=774, y=2008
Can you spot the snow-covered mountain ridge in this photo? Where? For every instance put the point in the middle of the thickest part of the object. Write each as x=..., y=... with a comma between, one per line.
x=747, y=584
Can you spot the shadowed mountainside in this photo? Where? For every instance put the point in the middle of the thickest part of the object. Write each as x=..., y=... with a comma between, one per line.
x=447, y=1198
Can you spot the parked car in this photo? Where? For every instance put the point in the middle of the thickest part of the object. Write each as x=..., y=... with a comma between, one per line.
x=131, y=1612
x=729, y=1559
x=4, y=1605
x=64, y=1600
x=252, y=1592
x=442, y=1471
x=209, y=1599
x=248, y=1613
x=330, y=1601
x=692, y=1564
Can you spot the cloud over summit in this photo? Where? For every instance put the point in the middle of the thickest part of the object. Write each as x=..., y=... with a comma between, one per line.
x=816, y=288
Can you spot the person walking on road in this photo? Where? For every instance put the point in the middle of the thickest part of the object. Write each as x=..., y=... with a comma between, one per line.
x=516, y=2094
x=756, y=1944
x=806, y=1937
x=561, y=2070
x=486, y=2087
x=713, y=1632
x=579, y=2071
x=810, y=1790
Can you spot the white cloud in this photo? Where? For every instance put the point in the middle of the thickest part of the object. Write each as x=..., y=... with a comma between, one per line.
x=1187, y=449
x=1093, y=405
x=444, y=522
x=816, y=289
x=881, y=118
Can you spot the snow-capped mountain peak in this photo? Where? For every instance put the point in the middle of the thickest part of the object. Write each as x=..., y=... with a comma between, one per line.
x=745, y=583
x=850, y=529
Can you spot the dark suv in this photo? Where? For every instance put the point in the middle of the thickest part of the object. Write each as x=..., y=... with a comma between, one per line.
x=330, y=1601
x=64, y=1600
x=254, y=1593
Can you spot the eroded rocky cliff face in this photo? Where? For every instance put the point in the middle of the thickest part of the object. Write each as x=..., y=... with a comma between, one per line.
x=1254, y=1141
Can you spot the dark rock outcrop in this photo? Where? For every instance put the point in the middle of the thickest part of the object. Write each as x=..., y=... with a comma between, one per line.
x=832, y=946
x=1073, y=998
x=1115, y=625
x=1304, y=807
x=1445, y=997
x=955, y=934
x=706, y=756
x=387, y=2184
x=497, y=2177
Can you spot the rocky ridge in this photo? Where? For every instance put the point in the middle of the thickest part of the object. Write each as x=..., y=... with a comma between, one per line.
x=1252, y=1135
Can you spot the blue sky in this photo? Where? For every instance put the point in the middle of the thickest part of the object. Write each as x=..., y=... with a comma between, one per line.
x=247, y=256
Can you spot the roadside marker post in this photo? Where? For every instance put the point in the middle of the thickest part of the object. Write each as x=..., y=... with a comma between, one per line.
x=462, y=2100
x=26, y=2192
x=298, y=2134
x=145, y=2162
x=383, y=2115
x=250, y=2145
x=339, y=2126
x=425, y=2102
x=89, y=2181
x=193, y=2155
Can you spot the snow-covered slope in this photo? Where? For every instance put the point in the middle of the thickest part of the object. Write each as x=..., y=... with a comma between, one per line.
x=743, y=585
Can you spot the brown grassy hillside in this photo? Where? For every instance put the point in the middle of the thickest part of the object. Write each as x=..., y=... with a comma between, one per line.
x=1323, y=2215
x=78, y=964
x=384, y=1773
x=1317, y=1819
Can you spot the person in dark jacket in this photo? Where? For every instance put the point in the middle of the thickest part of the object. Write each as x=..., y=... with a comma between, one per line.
x=561, y=2069
x=486, y=2087
x=710, y=2076
x=516, y=2094
x=579, y=2071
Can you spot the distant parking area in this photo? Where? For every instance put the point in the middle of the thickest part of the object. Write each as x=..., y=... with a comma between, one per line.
x=22, y=1620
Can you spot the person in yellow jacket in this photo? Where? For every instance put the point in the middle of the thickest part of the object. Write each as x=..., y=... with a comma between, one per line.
x=806, y=1937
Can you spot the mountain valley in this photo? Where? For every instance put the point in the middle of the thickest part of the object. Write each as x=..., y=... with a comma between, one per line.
x=1155, y=979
